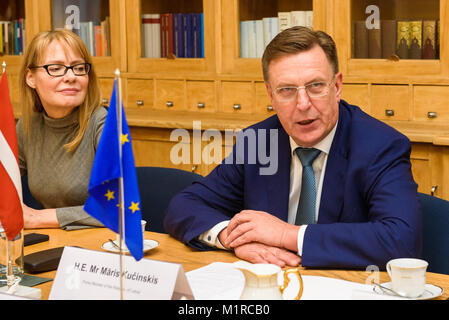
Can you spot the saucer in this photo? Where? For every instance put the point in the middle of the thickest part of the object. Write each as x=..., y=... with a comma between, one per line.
x=430, y=291
x=147, y=246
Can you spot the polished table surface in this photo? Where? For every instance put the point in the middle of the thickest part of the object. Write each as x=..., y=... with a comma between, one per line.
x=171, y=250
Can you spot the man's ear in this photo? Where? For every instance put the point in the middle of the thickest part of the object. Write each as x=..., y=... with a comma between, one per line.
x=338, y=83
x=269, y=91
x=30, y=79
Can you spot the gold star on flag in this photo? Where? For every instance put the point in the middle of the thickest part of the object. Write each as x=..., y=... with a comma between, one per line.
x=134, y=207
x=124, y=138
x=110, y=195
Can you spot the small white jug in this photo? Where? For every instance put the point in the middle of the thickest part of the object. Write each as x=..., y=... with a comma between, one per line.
x=261, y=281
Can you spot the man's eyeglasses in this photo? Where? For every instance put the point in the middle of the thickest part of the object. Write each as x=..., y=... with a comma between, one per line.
x=314, y=90
x=59, y=70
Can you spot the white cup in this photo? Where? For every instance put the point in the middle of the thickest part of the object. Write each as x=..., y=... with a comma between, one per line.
x=143, y=223
x=408, y=276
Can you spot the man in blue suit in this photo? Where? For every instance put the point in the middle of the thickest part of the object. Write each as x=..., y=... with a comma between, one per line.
x=342, y=194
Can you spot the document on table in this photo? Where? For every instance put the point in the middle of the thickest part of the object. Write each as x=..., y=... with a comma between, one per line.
x=222, y=281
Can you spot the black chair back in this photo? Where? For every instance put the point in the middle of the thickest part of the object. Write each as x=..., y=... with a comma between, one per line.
x=435, y=232
x=157, y=186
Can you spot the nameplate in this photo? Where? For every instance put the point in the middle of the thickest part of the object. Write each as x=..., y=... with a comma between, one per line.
x=94, y=275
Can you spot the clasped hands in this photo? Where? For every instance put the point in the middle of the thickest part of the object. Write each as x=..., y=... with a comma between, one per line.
x=260, y=237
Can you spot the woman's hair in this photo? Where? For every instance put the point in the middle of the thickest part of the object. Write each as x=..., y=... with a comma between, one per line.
x=30, y=99
x=299, y=39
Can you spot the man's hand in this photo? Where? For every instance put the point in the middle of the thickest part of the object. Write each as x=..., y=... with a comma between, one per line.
x=261, y=253
x=256, y=226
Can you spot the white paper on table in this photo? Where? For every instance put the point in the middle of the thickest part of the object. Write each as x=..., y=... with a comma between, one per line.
x=222, y=281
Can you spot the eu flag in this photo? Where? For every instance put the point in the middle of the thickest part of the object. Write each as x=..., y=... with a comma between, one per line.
x=103, y=202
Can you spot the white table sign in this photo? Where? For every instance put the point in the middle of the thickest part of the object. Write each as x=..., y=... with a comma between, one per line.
x=93, y=275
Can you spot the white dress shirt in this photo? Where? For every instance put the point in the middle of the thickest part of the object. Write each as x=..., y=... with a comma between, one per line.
x=210, y=237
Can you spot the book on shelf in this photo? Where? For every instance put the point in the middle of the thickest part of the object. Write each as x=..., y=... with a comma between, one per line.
x=374, y=44
x=360, y=40
x=168, y=34
x=429, y=39
x=95, y=35
x=151, y=35
x=187, y=29
x=415, y=51
x=408, y=39
x=403, y=39
x=388, y=38
x=295, y=18
x=270, y=29
x=12, y=37
x=251, y=39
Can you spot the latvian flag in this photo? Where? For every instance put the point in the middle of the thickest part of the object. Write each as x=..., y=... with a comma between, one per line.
x=11, y=215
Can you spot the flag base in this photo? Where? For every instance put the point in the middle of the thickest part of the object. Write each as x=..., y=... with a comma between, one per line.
x=11, y=259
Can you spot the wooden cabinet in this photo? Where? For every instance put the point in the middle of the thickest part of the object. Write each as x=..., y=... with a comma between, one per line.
x=136, y=63
x=237, y=97
x=201, y=96
x=348, y=12
x=390, y=102
x=431, y=103
x=222, y=87
x=235, y=11
x=357, y=94
x=170, y=95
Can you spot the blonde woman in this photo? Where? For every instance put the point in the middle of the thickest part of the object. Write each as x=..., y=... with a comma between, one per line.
x=61, y=125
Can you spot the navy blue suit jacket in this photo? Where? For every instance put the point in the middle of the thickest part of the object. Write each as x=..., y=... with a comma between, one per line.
x=369, y=211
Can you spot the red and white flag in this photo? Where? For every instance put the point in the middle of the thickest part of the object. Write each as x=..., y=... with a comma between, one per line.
x=11, y=214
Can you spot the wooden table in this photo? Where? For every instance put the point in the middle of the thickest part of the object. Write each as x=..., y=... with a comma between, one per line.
x=171, y=250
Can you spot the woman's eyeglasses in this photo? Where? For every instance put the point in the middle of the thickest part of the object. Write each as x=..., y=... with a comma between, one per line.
x=59, y=70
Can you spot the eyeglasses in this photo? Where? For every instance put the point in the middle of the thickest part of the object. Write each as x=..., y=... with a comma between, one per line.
x=314, y=90
x=59, y=70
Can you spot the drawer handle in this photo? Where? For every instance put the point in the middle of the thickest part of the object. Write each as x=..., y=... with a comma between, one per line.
x=270, y=108
x=237, y=106
x=432, y=191
x=194, y=168
x=201, y=105
x=389, y=113
x=169, y=104
x=431, y=115
x=105, y=102
x=139, y=103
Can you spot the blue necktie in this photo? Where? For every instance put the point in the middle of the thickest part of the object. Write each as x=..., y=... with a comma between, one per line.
x=306, y=205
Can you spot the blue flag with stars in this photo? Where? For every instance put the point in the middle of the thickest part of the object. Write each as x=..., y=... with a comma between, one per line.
x=103, y=201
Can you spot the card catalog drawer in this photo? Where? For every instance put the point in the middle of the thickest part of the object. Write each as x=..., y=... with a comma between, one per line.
x=390, y=102
x=201, y=96
x=236, y=97
x=170, y=95
x=430, y=103
x=106, y=86
x=357, y=94
x=140, y=93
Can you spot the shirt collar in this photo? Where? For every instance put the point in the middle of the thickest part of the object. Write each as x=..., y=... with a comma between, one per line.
x=324, y=145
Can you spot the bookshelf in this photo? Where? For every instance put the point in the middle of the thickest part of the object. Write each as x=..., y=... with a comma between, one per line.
x=352, y=12
x=225, y=90
x=234, y=12
x=174, y=64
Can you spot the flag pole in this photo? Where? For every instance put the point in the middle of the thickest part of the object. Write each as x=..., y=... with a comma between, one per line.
x=10, y=278
x=120, y=189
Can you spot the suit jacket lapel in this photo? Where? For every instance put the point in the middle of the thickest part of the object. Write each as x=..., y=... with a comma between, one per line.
x=332, y=194
x=278, y=185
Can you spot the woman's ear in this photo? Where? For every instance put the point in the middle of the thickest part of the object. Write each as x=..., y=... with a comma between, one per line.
x=30, y=79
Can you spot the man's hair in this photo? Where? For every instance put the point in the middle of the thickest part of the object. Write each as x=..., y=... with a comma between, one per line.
x=298, y=39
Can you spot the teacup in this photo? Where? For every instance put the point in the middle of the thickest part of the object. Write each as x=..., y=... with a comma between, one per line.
x=117, y=241
x=408, y=276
